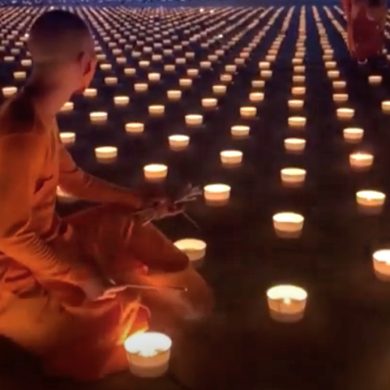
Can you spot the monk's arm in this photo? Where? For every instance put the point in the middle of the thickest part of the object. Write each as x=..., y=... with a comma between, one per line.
x=20, y=159
x=85, y=186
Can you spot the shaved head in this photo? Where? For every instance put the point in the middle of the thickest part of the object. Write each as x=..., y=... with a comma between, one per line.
x=58, y=37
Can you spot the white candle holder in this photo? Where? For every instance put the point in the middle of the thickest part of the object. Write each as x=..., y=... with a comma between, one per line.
x=293, y=177
x=298, y=79
x=98, y=117
x=266, y=74
x=258, y=83
x=130, y=71
x=333, y=74
x=231, y=158
x=286, y=303
x=381, y=264
x=20, y=75
x=297, y=122
x=154, y=77
x=106, y=153
x=353, y=135
x=288, y=224
x=148, y=354
x=156, y=110
x=169, y=68
x=339, y=84
x=178, y=142
x=298, y=91
x=370, y=202
x=248, y=112
x=361, y=161
x=68, y=138
x=340, y=97
x=155, y=172
x=195, y=250
x=185, y=83
x=264, y=65
x=217, y=194
x=194, y=120
x=134, y=128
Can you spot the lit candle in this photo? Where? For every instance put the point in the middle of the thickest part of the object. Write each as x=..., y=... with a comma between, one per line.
x=20, y=75
x=174, y=95
x=345, y=113
x=361, y=161
x=169, y=68
x=155, y=172
x=330, y=64
x=240, y=131
x=111, y=80
x=258, y=83
x=194, y=249
x=297, y=122
x=333, y=74
x=98, y=117
x=134, y=127
x=26, y=62
x=381, y=264
x=298, y=79
x=67, y=107
x=217, y=194
x=256, y=97
x=353, y=134
x=156, y=110
x=298, y=91
x=105, y=67
x=293, y=177
x=141, y=87
x=230, y=68
x=266, y=74
x=68, y=137
x=294, y=145
x=286, y=303
x=370, y=202
x=121, y=100
x=148, y=354
x=248, y=112
x=264, y=65
x=219, y=90
x=296, y=104
x=375, y=80
x=386, y=106
x=340, y=97
x=185, y=83
x=339, y=84
x=231, y=158
x=194, y=120
x=154, y=77
x=9, y=91
x=90, y=92
x=226, y=78
x=129, y=71
x=106, y=153
x=288, y=224
x=209, y=103
x=192, y=72
x=178, y=142
x=144, y=64
x=299, y=69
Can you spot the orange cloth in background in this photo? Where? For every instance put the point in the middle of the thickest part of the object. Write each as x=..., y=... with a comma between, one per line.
x=44, y=259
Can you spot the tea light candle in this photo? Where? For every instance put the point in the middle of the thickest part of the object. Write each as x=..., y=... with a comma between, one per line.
x=353, y=134
x=90, y=92
x=294, y=145
x=266, y=74
x=141, y=87
x=169, y=68
x=240, y=131
x=155, y=172
x=209, y=103
x=345, y=113
x=129, y=71
x=192, y=72
x=361, y=161
x=288, y=224
x=296, y=104
x=375, y=80
x=194, y=249
x=256, y=97
x=67, y=107
x=185, y=83
x=231, y=158
x=154, y=77
x=26, y=62
x=297, y=122
x=217, y=194
x=330, y=64
x=258, y=83
x=174, y=95
x=106, y=153
x=178, y=142
x=105, y=67
x=286, y=303
x=381, y=264
x=339, y=84
x=248, y=112
x=20, y=75
x=121, y=100
x=111, y=80
x=298, y=91
x=134, y=127
x=219, y=90
x=386, y=106
x=333, y=74
x=293, y=177
x=68, y=137
x=98, y=117
x=264, y=65
x=156, y=110
x=148, y=354
x=370, y=202
x=298, y=79
x=9, y=91
x=340, y=97
x=194, y=119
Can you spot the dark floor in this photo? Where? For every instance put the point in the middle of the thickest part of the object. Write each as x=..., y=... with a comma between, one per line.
x=344, y=340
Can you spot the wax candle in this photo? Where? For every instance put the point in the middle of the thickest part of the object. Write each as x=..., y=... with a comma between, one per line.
x=375, y=80
x=195, y=250
x=370, y=202
x=264, y=65
x=134, y=127
x=288, y=224
x=330, y=64
x=178, y=142
x=217, y=194
x=361, y=161
x=209, y=103
x=298, y=79
x=169, y=68
x=9, y=91
x=266, y=74
x=258, y=83
x=248, y=112
x=353, y=134
x=231, y=158
x=174, y=95
x=345, y=113
x=298, y=91
x=293, y=177
x=148, y=354
x=286, y=303
x=256, y=97
x=111, y=80
x=20, y=75
x=155, y=172
x=156, y=110
x=386, y=106
x=68, y=137
x=26, y=62
x=98, y=117
x=226, y=78
x=154, y=77
x=339, y=84
x=381, y=264
x=192, y=72
x=340, y=97
x=231, y=68
x=297, y=122
x=105, y=67
x=129, y=71
x=141, y=87
x=333, y=74
x=90, y=92
x=299, y=69
x=240, y=131
x=219, y=90
x=185, y=83
x=67, y=107
x=205, y=64
x=106, y=153
x=144, y=64
x=194, y=120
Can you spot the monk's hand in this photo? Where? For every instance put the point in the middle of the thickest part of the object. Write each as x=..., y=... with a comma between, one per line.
x=97, y=289
x=159, y=208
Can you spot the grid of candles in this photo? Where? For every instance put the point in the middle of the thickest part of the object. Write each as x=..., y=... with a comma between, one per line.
x=144, y=60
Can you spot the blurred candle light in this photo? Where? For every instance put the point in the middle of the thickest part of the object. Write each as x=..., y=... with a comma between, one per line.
x=353, y=134
x=298, y=91
x=219, y=90
x=386, y=106
x=90, y=92
x=256, y=97
x=381, y=264
x=288, y=224
x=68, y=137
x=293, y=177
x=209, y=103
x=375, y=80
x=9, y=91
x=297, y=122
x=67, y=107
x=240, y=131
x=156, y=110
x=296, y=104
x=106, y=153
x=141, y=87
x=154, y=77
x=20, y=75
x=340, y=97
x=231, y=158
x=294, y=145
x=194, y=120
x=111, y=80
x=64, y=197
x=134, y=127
x=155, y=172
x=217, y=194
x=248, y=112
x=98, y=117
x=195, y=249
x=361, y=161
x=178, y=142
x=370, y=202
x=345, y=113
x=174, y=95
x=121, y=100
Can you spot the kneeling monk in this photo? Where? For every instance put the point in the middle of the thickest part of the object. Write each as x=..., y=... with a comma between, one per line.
x=55, y=296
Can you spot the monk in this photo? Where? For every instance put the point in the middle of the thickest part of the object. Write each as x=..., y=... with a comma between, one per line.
x=366, y=21
x=62, y=293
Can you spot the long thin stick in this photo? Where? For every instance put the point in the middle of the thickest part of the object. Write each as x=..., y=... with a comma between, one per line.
x=147, y=287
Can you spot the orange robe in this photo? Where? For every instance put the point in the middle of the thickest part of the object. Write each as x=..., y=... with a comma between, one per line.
x=44, y=260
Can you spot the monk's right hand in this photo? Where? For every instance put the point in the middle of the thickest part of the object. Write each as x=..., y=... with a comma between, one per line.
x=96, y=289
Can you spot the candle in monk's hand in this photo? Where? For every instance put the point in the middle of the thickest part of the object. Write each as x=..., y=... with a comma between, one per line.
x=106, y=153
x=68, y=137
x=248, y=112
x=174, y=95
x=370, y=202
x=155, y=172
x=345, y=113
x=178, y=142
x=148, y=354
x=98, y=117
x=381, y=264
x=361, y=161
x=288, y=224
x=121, y=101
x=293, y=177
x=286, y=303
x=231, y=158
x=353, y=135
x=195, y=249
x=134, y=127
x=156, y=110
x=217, y=194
